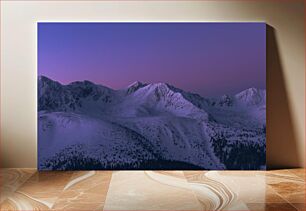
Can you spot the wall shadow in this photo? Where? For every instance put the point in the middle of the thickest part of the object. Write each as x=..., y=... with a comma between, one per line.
x=281, y=140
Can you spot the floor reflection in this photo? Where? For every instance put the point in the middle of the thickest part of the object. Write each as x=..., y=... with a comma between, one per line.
x=28, y=189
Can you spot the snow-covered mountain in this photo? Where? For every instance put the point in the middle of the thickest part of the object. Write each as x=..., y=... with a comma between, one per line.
x=252, y=97
x=148, y=126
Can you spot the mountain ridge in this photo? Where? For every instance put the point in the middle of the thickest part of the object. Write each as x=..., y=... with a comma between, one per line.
x=199, y=101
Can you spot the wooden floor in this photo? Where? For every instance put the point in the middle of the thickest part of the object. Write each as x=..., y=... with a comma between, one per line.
x=27, y=189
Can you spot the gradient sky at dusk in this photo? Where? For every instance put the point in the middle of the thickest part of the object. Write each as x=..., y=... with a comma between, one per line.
x=206, y=58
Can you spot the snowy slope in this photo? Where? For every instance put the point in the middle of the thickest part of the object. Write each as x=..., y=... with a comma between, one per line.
x=148, y=124
x=59, y=130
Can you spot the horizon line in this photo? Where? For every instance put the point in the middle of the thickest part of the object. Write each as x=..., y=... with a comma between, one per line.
x=145, y=84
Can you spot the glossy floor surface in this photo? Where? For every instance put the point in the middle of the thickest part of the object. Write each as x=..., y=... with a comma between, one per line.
x=27, y=189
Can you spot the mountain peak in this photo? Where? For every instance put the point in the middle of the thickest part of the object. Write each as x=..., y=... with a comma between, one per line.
x=252, y=96
x=250, y=92
x=161, y=87
x=136, y=83
x=43, y=78
x=82, y=83
x=45, y=81
x=160, y=84
x=135, y=86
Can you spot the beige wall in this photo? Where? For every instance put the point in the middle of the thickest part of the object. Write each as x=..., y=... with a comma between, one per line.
x=285, y=54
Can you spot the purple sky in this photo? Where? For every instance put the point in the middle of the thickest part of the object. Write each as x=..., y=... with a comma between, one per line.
x=206, y=58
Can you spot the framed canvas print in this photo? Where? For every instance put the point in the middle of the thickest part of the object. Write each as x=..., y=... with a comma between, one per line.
x=139, y=96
